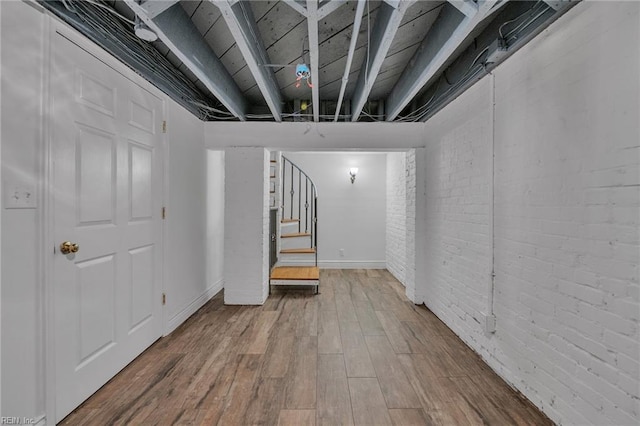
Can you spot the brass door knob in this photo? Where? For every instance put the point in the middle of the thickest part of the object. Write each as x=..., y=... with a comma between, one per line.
x=68, y=247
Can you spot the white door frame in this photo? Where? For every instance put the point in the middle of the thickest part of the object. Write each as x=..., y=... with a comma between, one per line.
x=54, y=27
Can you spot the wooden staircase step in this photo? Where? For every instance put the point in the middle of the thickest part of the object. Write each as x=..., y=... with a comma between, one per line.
x=289, y=220
x=295, y=273
x=298, y=251
x=296, y=234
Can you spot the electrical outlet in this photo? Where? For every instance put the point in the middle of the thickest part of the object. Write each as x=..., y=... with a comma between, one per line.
x=341, y=252
x=489, y=323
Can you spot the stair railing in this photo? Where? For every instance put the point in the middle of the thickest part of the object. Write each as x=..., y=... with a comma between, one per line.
x=308, y=218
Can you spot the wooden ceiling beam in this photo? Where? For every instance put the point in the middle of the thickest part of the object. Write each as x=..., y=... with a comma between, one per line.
x=441, y=42
x=175, y=29
x=387, y=23
x=243, y=28
x=314, y=58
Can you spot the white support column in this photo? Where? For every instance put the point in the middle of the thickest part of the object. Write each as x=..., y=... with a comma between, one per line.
x=314, y=52
x=246, y=213
x=420, y=228
x=415, y=229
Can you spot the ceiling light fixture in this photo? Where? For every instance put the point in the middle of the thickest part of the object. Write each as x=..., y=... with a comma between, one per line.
x=143, y=31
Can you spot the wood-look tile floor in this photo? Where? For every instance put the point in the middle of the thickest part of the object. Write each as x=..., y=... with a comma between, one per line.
x=359, y=353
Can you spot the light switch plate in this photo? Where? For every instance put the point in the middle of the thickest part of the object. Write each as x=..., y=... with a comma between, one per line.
x=19, y=197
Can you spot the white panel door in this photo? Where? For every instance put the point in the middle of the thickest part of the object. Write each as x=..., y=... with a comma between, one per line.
x=107, y=191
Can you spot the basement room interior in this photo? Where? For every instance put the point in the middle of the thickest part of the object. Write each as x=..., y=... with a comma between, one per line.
x=320, y=212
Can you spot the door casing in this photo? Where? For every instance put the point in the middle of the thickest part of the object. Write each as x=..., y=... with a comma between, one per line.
x=56, y=28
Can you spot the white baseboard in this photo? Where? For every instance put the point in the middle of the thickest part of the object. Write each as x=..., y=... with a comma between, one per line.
x=410, y=292
x=193, y=307
x=339, y=264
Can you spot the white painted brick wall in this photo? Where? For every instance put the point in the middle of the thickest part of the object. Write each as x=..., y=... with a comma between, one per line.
x=410, y=208
x=566, y=220
x=396, y=223
x=457, y=206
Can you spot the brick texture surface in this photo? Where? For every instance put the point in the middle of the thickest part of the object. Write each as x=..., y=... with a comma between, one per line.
x=396, y=223
x=566, y=199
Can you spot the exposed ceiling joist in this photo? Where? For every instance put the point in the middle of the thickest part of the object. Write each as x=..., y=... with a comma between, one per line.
x=154, y=8
x=557, y=4
x=446, y=35
x=175, y=29
x=393, y=3
x=387, y=22
x=312, y=23
x=467, y=7
x=330, y=7
x=298, y=7
x=497, y=52
x=352, y=47
x=242, y=24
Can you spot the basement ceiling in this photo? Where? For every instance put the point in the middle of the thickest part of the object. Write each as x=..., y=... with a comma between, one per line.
x=392, y=60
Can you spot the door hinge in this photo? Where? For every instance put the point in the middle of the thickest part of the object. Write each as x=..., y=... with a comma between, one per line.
x=164, y=126
x=164, y=299
x=164, y=212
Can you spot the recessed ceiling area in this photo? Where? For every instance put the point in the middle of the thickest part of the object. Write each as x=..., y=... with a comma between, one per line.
x=310, y=60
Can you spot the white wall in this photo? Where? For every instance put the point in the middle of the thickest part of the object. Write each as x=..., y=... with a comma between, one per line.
x=396, y=220
x=21, y=299
x=186, y=248
x=215, y=218
x=246, y=229
x=565, y=216
x=350, y=216
x=326, y=136
x=0, y=210
x=23, y=84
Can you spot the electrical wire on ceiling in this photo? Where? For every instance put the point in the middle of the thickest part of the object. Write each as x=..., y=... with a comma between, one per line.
x=378, y=118
x=530, y=10
x=534, y=12
x=116, y=28
x=525, y=24
x=366, y=71
x=423, y=110
x=366, y=64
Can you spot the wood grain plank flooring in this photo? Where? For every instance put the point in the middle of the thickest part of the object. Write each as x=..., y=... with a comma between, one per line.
x=396, y=388
x=334, y=403
x=401, y=340
x=241, y=390
x=368, y=320
x=407, y=417
x=259, y=339
x=278, y=355
x=357, y=353
x=297, y=418
x=301, y=383
x=265, y=402
x=329, y=339
x=368, y=403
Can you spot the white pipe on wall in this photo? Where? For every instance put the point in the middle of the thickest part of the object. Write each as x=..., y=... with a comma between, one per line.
x=490, y=320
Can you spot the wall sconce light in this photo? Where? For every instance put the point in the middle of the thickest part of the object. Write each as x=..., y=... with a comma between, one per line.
x=353, y=171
